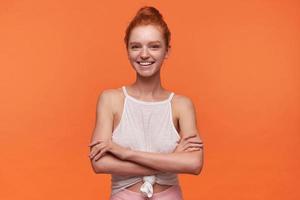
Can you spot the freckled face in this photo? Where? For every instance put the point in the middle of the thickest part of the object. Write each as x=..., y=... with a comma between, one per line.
x=146, y=49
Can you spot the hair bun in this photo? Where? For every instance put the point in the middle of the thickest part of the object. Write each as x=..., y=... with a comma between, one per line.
x=149, y=11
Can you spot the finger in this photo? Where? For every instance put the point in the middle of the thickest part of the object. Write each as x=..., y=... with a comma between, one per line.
x=96, y=147
x=195, y=140
x=96, y=158
x=181, y=139
x=94, y=143
x=189, y=137
x=190, y=141
x=186, y=146
x=193, y=146
x=103, y=151
x=197, y=146
x=193, y=149
x=95, y=150
x=93, y=154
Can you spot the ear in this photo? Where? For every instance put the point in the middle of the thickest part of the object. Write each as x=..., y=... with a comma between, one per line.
x=168, y=52
x=127, y=54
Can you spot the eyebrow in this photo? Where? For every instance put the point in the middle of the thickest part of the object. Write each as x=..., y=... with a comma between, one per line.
x=157, y=41
x=133, y=43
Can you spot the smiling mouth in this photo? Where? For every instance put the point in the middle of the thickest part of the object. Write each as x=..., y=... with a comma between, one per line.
x=145, y=63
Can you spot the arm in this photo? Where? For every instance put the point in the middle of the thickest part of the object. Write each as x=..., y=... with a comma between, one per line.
x=184, y=162
x=176, y=162
x=103, y=131
x=110, y=164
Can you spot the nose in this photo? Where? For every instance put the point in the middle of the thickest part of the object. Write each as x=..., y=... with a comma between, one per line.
x=144, y=54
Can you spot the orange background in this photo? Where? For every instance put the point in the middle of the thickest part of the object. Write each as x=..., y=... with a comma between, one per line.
x=237, y=60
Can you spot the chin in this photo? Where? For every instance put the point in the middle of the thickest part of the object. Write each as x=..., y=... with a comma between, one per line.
x=146, y=73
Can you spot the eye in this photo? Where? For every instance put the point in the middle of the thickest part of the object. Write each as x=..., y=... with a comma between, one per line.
x=134, y=46
x=156, y=46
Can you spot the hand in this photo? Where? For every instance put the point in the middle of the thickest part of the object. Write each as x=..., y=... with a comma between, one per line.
x=99, y=148
x=119, y=151
x=188, y=144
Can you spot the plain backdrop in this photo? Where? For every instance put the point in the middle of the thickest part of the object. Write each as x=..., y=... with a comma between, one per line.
x=237, y=60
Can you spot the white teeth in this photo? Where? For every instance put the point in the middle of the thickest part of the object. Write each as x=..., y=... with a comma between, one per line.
x=145, y=63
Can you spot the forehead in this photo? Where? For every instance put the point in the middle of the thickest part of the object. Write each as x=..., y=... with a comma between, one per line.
x=145, y=33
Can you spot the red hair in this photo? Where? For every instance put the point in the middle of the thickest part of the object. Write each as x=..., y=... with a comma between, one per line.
x=145, y=16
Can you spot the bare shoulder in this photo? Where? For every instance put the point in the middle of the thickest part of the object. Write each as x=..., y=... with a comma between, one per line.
x=110, y=95
x=182, y=102
x=111, y=98
x=186, y=113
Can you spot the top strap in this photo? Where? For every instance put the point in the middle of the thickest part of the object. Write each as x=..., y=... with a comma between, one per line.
x=124, y=91
x=171, y=96
x=127, y=95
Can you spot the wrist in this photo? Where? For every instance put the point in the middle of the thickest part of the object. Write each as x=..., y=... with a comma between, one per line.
x=122, y=153
x=127, y=154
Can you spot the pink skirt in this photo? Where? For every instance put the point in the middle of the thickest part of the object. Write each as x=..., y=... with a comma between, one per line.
x=172, y=193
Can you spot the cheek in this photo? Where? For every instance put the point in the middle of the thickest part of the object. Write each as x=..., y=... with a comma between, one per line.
x=133, y=55
x=159, y=56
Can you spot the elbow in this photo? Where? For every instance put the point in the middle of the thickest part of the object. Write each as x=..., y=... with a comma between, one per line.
x=197, y=166
x=194, y=167
x=197, y=169
x=96, y=170
x=98, y=167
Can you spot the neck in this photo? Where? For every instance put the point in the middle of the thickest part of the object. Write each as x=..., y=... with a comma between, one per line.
x=148, y=86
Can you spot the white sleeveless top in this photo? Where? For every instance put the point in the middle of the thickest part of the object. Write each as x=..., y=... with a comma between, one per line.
x=145, y=126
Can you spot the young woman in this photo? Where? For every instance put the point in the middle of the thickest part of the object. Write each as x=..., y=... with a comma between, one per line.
x=145, y=135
